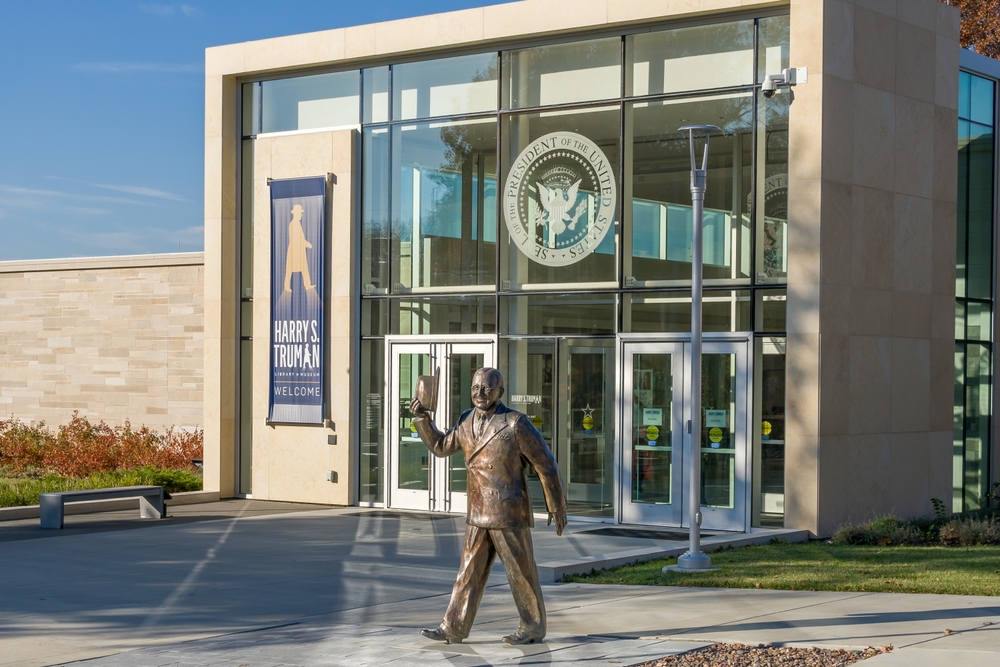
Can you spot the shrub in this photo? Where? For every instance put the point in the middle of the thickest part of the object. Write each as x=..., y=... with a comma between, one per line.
x=970, y=531
x=880, y=531
x=980, y=528
x=80, y=448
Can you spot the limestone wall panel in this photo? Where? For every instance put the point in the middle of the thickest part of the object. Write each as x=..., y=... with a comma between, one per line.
x=103, y=337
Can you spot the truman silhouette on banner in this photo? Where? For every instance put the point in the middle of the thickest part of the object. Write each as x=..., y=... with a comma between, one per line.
x=295, y=258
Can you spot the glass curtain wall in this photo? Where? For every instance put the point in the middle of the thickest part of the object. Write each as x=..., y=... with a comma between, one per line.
x=604, y=245
x=581, y=136
x=974, y=292
x=580, y=139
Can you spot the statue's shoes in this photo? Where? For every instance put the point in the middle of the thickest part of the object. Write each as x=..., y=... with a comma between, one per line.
x=439, y=635
x=521, y=637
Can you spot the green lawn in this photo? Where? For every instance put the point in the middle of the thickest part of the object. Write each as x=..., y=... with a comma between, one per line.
x=819, y=566
x=16, y=491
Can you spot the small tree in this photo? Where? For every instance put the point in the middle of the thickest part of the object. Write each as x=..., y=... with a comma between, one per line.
x=980, y=25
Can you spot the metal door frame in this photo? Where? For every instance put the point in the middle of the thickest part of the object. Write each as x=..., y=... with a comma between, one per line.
x=440, y=497
x=738, y=518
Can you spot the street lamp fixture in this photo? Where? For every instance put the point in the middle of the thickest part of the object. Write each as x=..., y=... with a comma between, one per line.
x=694, y=560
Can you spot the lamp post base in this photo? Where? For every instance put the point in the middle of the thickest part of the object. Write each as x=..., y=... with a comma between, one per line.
x=690, y=562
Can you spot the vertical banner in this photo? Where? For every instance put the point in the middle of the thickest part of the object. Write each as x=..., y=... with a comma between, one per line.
x=298, y=211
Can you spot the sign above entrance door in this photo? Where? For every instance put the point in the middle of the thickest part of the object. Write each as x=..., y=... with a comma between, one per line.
x=559, y=199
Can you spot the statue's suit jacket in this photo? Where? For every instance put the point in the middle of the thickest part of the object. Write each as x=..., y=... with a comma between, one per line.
x=497, y=489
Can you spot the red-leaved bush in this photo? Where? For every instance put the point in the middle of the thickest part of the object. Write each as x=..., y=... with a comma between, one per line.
x=80, y=448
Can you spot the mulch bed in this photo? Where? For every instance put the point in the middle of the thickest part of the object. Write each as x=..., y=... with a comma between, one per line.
x=742, y=655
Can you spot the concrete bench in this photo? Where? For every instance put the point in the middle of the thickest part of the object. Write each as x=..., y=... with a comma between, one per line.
x=150, y=502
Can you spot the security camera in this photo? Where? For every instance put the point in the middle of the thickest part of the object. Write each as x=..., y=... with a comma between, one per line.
x=770, y=85
x=788, y=77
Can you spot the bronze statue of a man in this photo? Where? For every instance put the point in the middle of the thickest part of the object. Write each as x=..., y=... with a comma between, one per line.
x=498, y=443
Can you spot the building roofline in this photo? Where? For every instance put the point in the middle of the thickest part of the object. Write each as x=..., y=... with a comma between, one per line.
x=974, y=62
x=448, y=30
x=107, y=262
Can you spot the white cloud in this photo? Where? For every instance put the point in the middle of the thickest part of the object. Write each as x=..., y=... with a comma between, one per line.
x=31, y=197
x=156, y=10
x=89, y=210
x=130, y=67
x=139, y=190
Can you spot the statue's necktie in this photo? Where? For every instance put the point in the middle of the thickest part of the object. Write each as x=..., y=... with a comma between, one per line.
x=480, y=426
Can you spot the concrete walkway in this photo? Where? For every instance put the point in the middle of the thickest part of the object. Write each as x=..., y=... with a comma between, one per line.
x=259, y=584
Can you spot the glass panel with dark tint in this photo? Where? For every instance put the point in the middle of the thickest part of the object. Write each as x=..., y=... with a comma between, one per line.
x=979, y=322
x=562, y=73
x=586, y=447
x=246, y=219
x=773, y=35
x=769, y=435
x=444, y=87
x=375, y=211
x=530, y=379
x=311, y=102
x=249, y=107
x=414, y=457
x=651, y=437
x=772, y=188
x=654, y=312
x=372, y=425
x=556, y=314
x=964, y=95
x=443, y=315
x=979, y=210
x=444, y=205
x=557, y=225
x=718, y=442
x=719, y=55
x=660, y=206
x=978, y=383
x=771, y=311
x=246, y=418
x=962, y=210
x=374, y=317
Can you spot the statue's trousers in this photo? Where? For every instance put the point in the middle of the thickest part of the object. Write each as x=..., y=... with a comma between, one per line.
x=482, y=546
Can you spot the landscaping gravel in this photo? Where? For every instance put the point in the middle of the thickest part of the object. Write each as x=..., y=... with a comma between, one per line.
x=742, y=655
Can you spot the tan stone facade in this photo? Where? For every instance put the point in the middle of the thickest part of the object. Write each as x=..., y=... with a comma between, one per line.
x=290, y=462
x=115, y=338
x=872, y=192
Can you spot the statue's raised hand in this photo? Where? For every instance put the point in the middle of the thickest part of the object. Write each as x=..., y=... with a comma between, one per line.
x=417, y=409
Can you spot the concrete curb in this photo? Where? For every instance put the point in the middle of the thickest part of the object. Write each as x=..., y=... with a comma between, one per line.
x=553, y=571
x=90, y=506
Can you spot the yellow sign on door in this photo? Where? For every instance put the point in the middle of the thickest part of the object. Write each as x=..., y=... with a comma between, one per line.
x=715, y=435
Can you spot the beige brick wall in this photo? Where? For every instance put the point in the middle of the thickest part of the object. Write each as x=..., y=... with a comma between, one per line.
x=115, y=338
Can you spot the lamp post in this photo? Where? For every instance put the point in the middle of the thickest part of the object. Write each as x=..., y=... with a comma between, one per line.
x=694, y=560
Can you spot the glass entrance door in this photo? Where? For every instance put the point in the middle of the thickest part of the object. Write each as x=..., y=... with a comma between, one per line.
x=655, y=412
x=417, y=479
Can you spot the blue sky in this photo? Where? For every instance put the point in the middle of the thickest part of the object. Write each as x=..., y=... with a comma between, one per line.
x=102, y=108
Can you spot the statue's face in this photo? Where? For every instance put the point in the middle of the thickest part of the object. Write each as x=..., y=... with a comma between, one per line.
x=487, y=388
